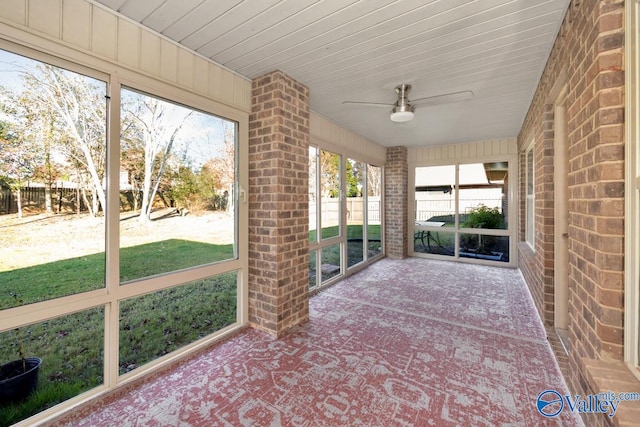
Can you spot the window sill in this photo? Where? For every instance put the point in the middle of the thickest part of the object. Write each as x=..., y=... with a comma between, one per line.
x=614, y=375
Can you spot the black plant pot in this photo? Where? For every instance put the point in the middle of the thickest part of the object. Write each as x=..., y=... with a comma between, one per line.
x=15, y=383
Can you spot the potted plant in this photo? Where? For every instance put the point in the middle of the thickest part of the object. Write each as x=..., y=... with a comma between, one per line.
x=18, y=379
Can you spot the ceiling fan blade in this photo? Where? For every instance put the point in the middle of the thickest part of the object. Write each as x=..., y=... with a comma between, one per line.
x=368, y=104
x=464, y=95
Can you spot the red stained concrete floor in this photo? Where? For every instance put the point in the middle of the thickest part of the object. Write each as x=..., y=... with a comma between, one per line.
x=410, y=342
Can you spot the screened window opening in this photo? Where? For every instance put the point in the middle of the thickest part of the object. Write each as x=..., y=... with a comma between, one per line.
x=345, y=215
x=177, y=180
x=462, y=211
x=52, y=181
x=78, y=220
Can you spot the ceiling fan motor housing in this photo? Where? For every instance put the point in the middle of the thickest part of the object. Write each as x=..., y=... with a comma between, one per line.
x=402, y=111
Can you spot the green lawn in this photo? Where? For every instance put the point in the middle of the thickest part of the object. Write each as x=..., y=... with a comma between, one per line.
x=75, y=275
x=150, y=325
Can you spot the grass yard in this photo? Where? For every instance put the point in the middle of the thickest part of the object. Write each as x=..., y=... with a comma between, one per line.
x=151, y=326
x=34, y=268
x=75, y=275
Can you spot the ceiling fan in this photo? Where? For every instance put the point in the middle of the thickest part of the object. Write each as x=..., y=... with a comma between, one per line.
x=403, y=109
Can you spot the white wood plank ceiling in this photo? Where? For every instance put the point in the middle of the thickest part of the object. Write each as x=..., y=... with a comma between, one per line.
x=359, y=50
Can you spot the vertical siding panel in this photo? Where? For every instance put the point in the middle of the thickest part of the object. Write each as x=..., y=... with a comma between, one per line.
x=44, y=16
x=150, y=53
x=504, y=146
x=458, y=148
x=435, y=153
x=242, y=95
x=414, y=155
x=215, y=82
x=14, y=10
x=76, y=23
x=484, y=149
x=473, y=151
x=465, y=151
x=495, y=147
x=327, y=130
x=201, y=75
x=451, y=152
x=227, y=87
x=168, y=61
x=186, y=68
x=128, y=43
x=418, y=155
x=104, y=33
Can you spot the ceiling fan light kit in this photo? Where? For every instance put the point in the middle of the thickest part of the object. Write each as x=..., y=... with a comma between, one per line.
x=402, y=114
x=403, y=111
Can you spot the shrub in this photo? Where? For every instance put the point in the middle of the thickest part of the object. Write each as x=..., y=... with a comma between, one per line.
x=484, y=217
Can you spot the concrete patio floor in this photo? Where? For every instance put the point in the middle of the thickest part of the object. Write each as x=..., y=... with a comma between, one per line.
x=410, y=342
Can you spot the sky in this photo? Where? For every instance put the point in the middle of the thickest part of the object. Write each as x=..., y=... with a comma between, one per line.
x=202, y=138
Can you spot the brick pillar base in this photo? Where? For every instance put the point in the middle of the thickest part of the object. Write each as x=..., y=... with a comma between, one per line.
x=278, y=203
x=396, y=174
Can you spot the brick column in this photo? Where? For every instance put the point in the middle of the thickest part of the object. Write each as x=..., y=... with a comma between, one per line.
x=278, y=203
x=396, y=174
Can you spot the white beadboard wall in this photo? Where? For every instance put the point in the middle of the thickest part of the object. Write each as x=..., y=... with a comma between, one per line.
x=329, y=135
x=470, y=151
x=98, y=32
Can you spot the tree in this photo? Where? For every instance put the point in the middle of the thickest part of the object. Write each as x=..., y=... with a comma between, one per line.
x=19, y=155
x=156, y=126
x=354, y=177
x=329, y=174
x=374, y=180
x=217, y=175
x=74, y=111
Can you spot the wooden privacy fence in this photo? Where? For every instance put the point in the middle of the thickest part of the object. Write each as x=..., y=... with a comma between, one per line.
x=34, y=200
x=330, y=208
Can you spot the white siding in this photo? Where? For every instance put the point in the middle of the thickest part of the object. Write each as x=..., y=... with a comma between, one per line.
x=329, y=135
x=76, y=23
x=461, y=153
x=94, y=30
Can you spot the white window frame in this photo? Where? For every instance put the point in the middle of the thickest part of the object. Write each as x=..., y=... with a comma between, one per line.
x=530, y=199
x=315, y=247
x=113, y=292
x=509, y=232
x=632, y=184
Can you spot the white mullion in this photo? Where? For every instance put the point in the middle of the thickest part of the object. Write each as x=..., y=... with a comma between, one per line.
x=365, y=213
x=342, y=221
x=112, y=235
x=456, y=217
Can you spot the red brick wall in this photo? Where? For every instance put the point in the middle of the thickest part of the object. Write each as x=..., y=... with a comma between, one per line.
x=278, y=203
x=396, y=173
x=589, y=49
